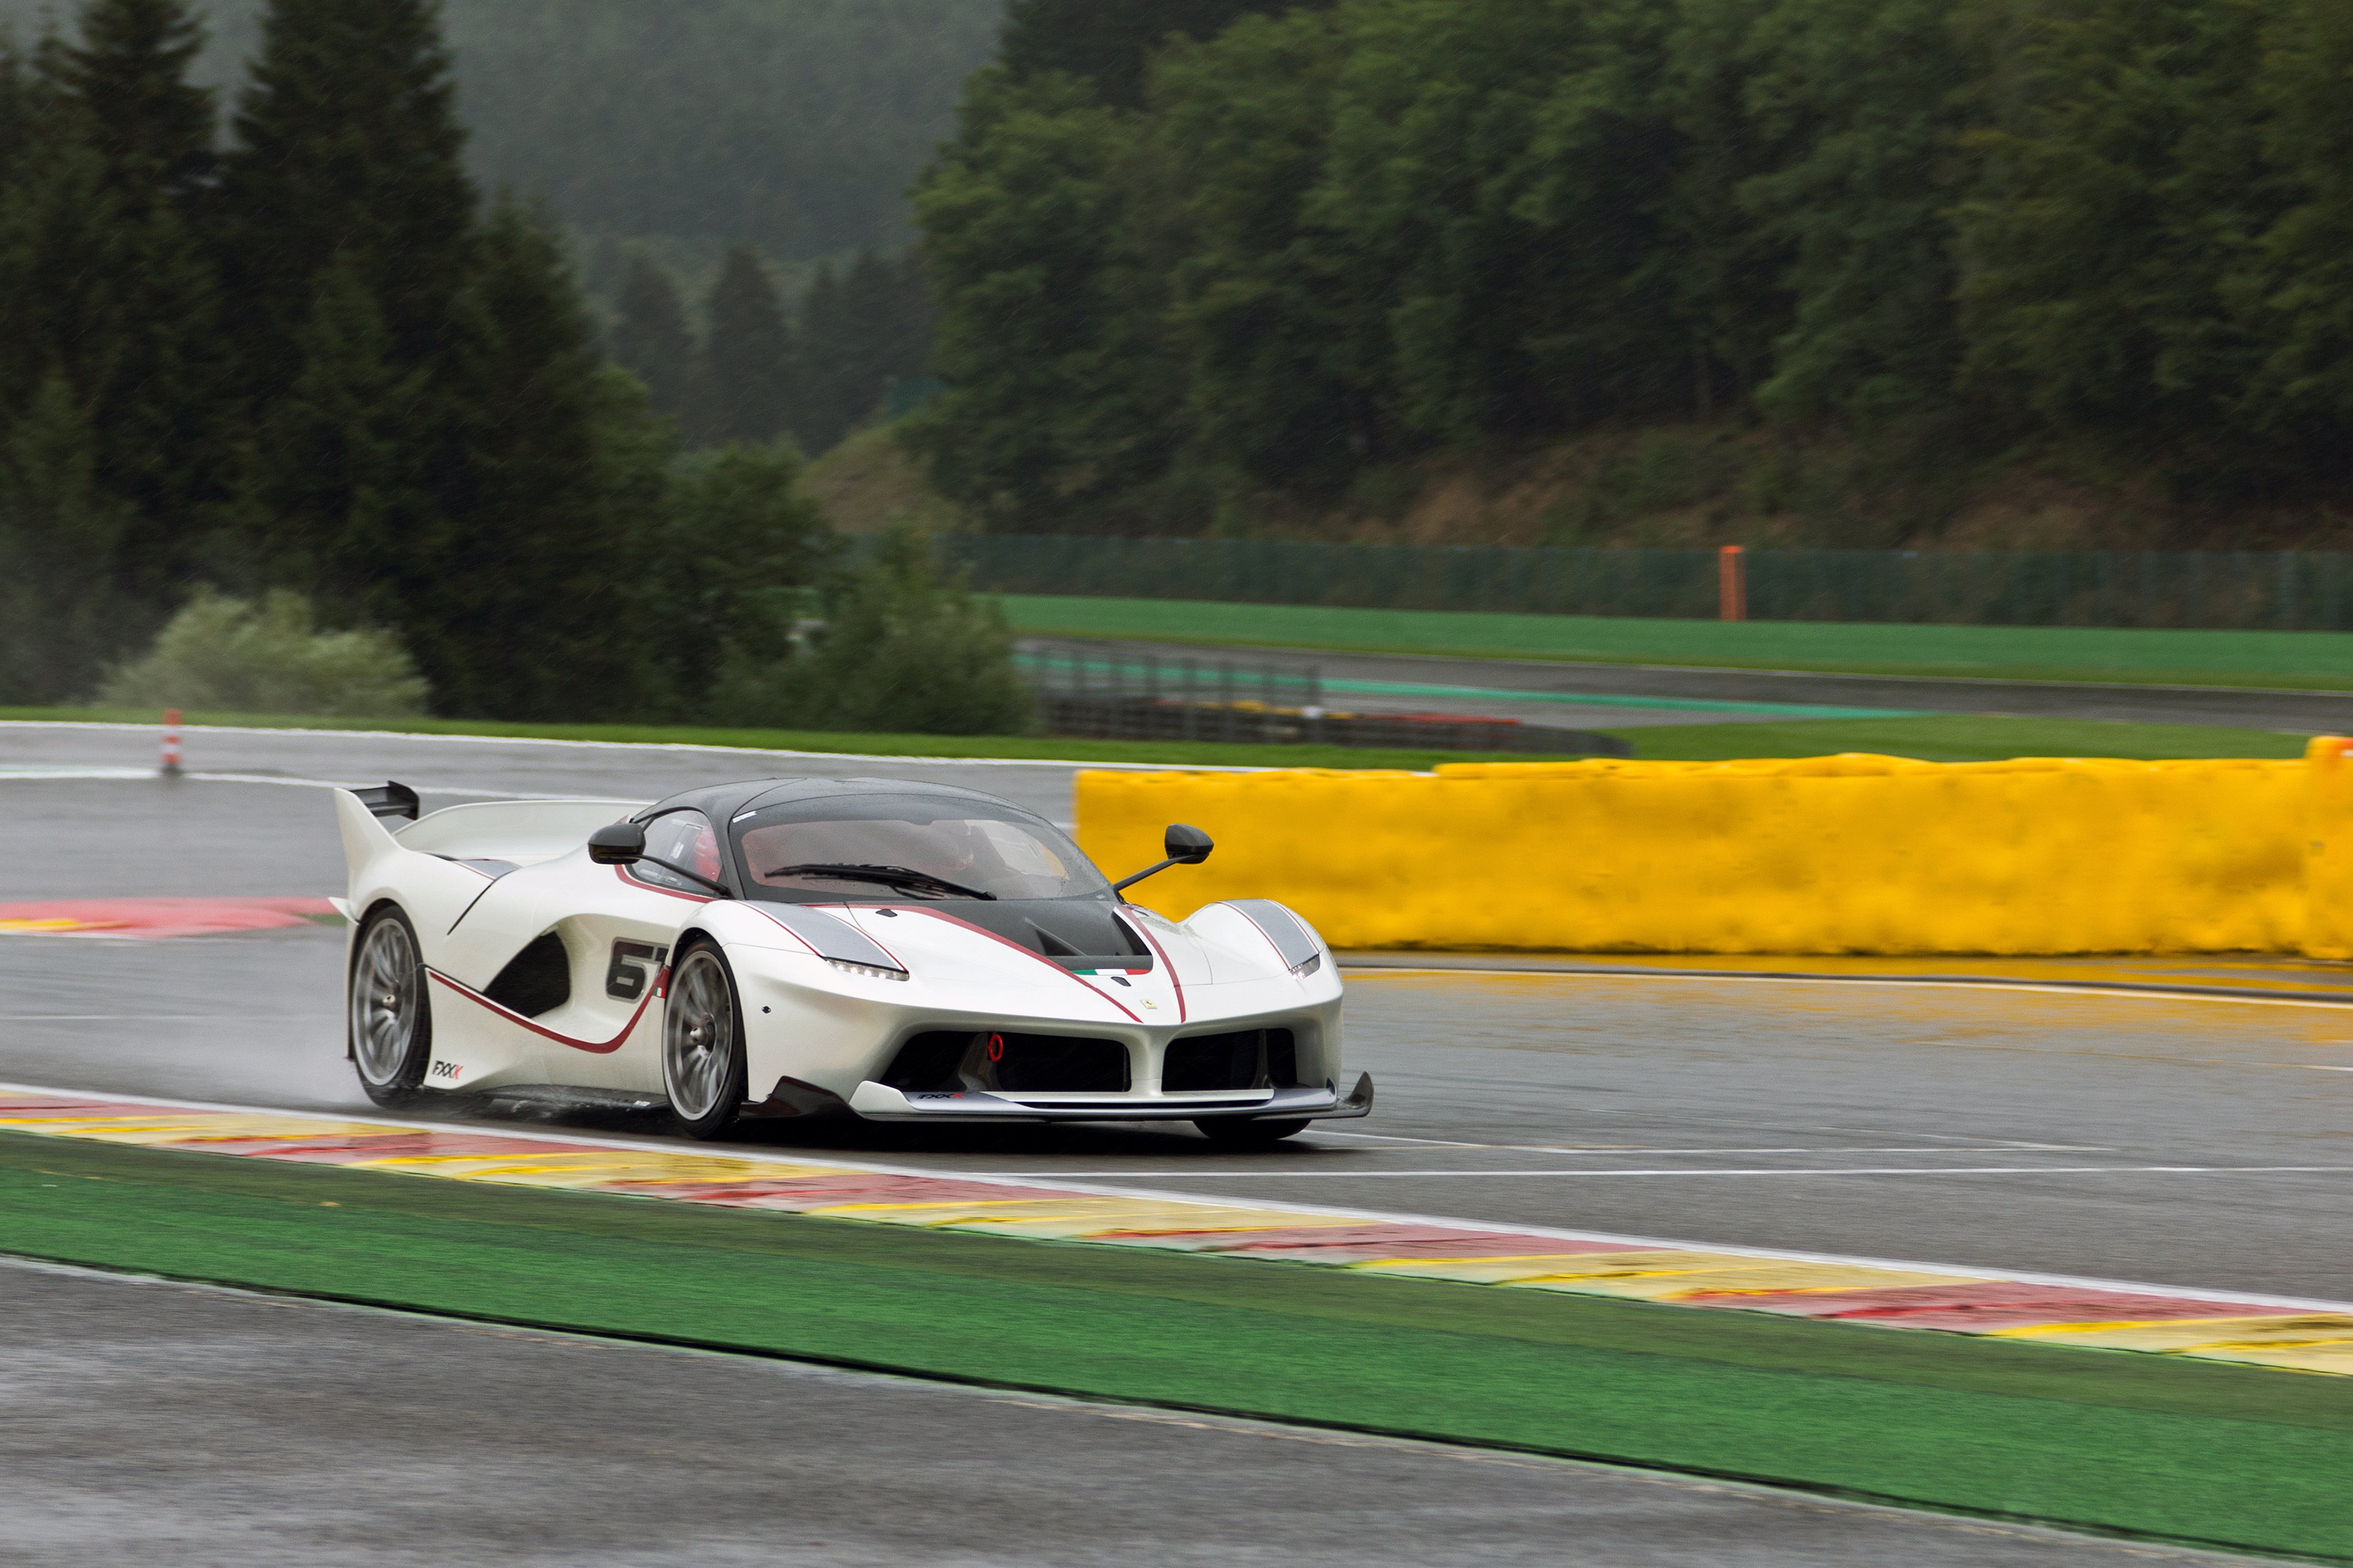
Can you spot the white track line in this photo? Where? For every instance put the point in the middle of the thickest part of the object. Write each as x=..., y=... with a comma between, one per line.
x=9, y=776
x=421, y=789
x=1380, y=1216
x=68, y=771
x=1767, y=1171
x=1988, y=1146
x=684, y=746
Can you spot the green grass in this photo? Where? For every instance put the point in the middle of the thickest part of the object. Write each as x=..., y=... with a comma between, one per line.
x=2227, y=1456
x=1173, y=754
x=1955, y=738
x=2317, y=661
x=1938, y=738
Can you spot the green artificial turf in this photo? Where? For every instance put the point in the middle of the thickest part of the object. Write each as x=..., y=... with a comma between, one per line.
x=1173, y=754
x=2227, y=1455
x=2321, y=661
x=1955, y=738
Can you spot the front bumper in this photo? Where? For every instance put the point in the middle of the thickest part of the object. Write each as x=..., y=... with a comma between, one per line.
x=880, y=1102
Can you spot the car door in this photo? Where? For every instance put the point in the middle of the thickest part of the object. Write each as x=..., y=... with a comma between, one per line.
x=575, y=952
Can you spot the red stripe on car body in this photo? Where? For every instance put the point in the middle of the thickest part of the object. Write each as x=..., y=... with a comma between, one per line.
x=591, y=1047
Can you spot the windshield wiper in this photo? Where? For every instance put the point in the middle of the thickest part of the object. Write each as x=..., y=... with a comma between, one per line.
x=888, y=876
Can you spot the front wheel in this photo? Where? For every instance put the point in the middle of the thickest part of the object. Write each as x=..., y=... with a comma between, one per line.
x=1233, y=1134
x=702, y=1044
x=391, y=1020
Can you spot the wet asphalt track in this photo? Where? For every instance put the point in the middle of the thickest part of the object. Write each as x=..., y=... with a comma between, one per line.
x=2183, y=1143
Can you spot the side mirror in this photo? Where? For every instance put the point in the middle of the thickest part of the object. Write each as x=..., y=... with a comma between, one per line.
x=1184, y=846
x=618, y=844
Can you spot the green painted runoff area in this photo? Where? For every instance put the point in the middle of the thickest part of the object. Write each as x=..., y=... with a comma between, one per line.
x=2321, y=661
x=2227, y=1456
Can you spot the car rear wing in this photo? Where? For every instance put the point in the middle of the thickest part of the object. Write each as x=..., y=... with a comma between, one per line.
x=394, y=799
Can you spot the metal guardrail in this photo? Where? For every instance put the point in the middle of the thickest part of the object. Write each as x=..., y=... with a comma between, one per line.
x=2286, y=590
x=1089, y=692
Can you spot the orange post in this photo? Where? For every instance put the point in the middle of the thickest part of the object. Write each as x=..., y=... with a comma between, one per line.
x=171, y=742
x=1732, y=584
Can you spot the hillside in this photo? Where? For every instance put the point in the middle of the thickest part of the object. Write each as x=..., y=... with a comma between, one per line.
x=1671, y=485
x=1832, y=272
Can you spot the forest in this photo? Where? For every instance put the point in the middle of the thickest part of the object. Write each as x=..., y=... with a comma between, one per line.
x=794, y=125
x=302, y=306
x=277, y=340
x=1840, y=260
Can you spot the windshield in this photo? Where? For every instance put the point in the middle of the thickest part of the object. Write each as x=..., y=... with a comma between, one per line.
x=901, y=847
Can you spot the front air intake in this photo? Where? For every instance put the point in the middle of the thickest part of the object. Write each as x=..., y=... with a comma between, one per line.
x=1245, y=1059
x=952, y=1060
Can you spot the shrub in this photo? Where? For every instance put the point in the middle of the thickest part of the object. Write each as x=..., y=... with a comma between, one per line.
x=902, y=650
x=234, y=656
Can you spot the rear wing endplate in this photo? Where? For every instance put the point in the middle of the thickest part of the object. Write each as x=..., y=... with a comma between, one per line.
x=394, y=799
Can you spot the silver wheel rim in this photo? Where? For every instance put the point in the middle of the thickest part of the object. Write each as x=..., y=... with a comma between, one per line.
x=387, y=999
x=698, y=1037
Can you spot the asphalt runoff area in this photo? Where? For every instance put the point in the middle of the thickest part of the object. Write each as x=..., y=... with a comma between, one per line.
x=1610, y=696
x=2183, y=1143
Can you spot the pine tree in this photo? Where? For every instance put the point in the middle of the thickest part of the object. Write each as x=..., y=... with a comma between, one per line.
x=652, y=340
x=531, y=608
x=339, y=473
x=20, y=106
x=886, y=311
x=737, y=535
x=748, y=355
x=1110, y=43
x=2296, y=292
x=61, y=617
x=154, y=128
x=1857, y=98
x=348, y=143
x=827, y=355
x=1061, y=399
x=158, y=388
x=2120, y=183
x=862, y=331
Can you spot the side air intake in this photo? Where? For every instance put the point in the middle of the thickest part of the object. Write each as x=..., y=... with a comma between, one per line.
x=536, y=980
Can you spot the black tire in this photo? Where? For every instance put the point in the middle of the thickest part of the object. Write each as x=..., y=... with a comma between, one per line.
x=387, y=1013
x=1233, y=1133
x=703, y=1042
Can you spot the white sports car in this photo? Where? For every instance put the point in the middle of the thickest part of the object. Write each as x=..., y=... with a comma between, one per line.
x=815, y=947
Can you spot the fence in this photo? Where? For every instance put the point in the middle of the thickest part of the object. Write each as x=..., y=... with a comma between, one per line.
x=2291, y=590
x=1094, y=693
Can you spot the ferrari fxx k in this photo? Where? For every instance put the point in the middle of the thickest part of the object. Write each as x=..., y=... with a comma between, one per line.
x=866, y=948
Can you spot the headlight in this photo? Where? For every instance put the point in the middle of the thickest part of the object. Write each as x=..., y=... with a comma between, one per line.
x=869, y=970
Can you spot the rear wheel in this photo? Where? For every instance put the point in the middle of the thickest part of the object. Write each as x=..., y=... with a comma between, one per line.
x=1238, y=1134
x=702, y=1044
x=391, y=1020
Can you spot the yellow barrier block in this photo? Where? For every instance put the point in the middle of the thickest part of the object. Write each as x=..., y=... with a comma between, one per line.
x=2328, y=849
x=1820, y=855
